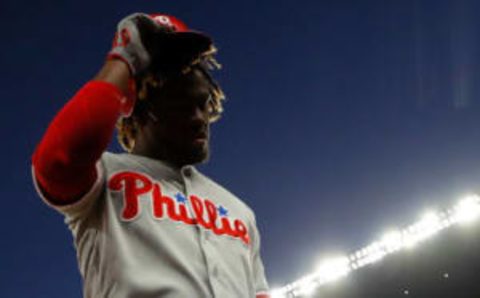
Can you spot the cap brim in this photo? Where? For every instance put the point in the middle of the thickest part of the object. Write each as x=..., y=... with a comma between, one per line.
x=180, y=49
x=196, y=42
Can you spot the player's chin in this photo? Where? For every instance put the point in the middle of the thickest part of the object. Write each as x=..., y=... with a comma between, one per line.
x=198, y=153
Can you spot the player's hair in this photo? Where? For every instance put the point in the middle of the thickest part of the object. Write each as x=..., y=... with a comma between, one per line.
x=146, y=85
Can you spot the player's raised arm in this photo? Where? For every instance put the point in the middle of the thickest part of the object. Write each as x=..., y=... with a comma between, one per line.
x=64, y=162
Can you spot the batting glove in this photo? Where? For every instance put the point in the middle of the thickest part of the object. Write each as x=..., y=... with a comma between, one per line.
x=136, y=41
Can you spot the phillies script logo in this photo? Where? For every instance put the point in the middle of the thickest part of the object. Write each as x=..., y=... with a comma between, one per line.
x=135, y=184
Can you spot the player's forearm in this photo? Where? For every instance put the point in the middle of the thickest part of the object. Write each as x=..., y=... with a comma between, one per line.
x=116, y=72
x=65, y=159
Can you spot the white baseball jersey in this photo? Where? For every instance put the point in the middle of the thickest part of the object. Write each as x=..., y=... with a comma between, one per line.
x=146, y=229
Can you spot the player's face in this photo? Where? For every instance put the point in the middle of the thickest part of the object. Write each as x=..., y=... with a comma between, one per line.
x=180, y=132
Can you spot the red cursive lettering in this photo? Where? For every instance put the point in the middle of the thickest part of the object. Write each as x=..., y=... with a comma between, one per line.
x=135, y=184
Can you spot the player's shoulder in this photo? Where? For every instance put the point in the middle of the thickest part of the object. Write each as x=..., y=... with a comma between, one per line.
x=108, y=156
x=115, y=162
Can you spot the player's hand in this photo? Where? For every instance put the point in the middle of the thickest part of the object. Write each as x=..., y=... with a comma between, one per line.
x=137, y=42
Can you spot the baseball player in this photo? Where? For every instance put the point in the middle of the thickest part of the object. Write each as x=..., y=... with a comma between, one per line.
x=147, y=223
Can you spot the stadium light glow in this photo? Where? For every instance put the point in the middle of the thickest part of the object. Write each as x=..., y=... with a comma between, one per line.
x=466, y=211
x=308, y=288
x=333, y=269
x=392, y=241
x=277, y=293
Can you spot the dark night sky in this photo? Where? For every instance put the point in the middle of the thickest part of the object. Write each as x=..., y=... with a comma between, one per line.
x=343, y=118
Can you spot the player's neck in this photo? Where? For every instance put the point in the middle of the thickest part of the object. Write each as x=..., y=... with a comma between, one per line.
x=157, y=154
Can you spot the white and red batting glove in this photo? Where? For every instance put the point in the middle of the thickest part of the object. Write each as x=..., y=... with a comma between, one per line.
x=136, y=41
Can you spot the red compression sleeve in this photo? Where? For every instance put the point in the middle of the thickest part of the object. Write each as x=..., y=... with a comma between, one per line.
x=64, y=160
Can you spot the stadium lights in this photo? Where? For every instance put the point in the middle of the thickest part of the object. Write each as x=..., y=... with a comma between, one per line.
x=333, y=269
x=466, y=211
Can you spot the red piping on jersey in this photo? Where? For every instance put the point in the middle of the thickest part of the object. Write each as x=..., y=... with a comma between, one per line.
x=64, y=160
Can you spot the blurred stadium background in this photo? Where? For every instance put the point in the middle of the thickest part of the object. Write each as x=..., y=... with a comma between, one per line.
x=435, y=257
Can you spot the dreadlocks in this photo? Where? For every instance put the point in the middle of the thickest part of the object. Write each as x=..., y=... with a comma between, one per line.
x=128, y=126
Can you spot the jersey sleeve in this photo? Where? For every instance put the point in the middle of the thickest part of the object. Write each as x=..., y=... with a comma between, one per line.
x=81, y=206
x=66, y=165
x=260, y=280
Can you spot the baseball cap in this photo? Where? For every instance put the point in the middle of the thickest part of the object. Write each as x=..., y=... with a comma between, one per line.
x=184, y=35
